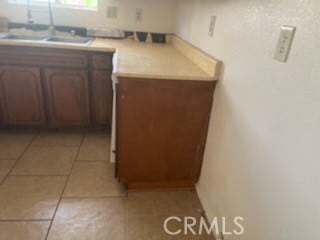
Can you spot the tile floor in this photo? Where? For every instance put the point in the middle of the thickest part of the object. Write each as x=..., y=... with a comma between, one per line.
x=60, y=186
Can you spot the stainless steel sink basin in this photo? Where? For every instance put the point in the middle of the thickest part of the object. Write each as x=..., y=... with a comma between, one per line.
x=70, y=40
x=81, y=41
x=23, y=37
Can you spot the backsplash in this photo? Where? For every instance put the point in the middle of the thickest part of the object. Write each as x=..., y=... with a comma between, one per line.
x=3, y=24
x=92, y=32
x=105, y=32
x=117, y=33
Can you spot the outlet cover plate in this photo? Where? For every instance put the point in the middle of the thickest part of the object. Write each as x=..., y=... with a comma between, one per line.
x=284, y=43
x=212, y=25
x=139, y=14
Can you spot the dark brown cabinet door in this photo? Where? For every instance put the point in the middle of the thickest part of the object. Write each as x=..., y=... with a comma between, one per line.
x=161, y=131
x=101, y=98
x=67, y=97
x=21, y=96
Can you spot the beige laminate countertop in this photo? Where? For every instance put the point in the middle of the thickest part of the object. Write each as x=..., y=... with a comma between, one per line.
x=135, y=59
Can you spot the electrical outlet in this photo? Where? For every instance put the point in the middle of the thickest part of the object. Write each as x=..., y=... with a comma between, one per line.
x=112, y=12
x=212, y=25
x=284, y=43
x=139, y=14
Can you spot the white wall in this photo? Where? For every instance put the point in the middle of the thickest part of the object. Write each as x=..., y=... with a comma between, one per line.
x=262, y=158
x=158, y=15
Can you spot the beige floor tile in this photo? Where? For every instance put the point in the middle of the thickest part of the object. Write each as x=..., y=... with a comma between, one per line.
x=95, y=218
x=151, y=227
x=95, y=147
x=5, y=167
x=30, y=197
x=23, y=230
x=12, y=145
x=164, y=203
x=93, y=179
x=143, y=227
x=58, y=139
x=44, y=160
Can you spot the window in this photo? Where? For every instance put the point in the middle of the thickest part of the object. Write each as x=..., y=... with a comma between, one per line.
x=90, y=4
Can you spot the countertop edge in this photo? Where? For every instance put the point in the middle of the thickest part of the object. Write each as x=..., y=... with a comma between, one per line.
x=57, y=46
x=149, y=76
x=92, y=48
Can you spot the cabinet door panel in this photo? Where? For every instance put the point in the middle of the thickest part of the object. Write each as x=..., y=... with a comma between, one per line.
x=21, y=96
x=67, y=96
x=101, y=97
x=161, y=129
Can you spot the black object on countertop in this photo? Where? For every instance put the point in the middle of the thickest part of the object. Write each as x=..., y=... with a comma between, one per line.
x=158, y=37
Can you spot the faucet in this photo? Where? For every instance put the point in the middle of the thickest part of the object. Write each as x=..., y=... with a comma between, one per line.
x=29, y=14
x=51, y=29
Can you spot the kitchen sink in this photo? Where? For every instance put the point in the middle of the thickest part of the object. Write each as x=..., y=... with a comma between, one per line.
x=70, y=40
x=82, y=41
x=23, y=37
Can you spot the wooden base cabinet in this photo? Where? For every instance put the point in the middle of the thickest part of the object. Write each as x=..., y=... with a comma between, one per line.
x=55, y=88
x=21, y=96
x=101, y=90
x=161, y=129
x=67, y=97
x=101, y=97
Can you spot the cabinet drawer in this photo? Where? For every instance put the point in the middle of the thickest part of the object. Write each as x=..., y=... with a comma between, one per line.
x=42, y=57
x=101, y=61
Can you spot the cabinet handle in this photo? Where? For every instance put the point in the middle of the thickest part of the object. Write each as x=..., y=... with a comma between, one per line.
x=121, y=94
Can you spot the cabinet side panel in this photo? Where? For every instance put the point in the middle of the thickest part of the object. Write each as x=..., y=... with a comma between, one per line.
x=101, y=98
x=161, y=129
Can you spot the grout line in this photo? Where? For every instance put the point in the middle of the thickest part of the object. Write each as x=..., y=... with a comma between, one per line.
x=25, y=220
x=54, y=145
x=30, y=144
x=38, y=175
x=96, y=197
x=16, y=161
x=93, y=161
x=64, y=188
